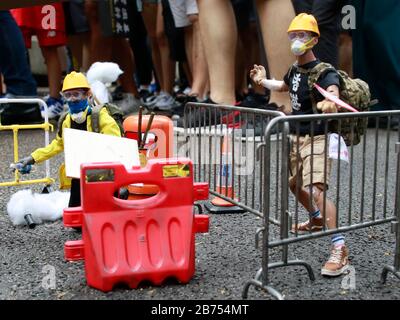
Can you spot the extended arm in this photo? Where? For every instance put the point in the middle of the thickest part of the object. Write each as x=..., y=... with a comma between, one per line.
x=258, y=75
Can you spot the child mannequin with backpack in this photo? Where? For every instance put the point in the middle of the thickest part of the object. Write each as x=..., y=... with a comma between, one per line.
x=81, y=115
x=303, y=34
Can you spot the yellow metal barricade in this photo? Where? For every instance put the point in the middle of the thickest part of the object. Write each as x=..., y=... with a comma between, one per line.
x=46, y=126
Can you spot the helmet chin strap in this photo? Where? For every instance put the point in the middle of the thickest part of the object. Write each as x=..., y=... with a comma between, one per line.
x=310, y=44
x=300, y=50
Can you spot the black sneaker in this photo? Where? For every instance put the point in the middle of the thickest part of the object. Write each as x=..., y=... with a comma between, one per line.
x=181, y=103
x=207, y=118
x=144, y=94
x=117, y=94
x=255, y=101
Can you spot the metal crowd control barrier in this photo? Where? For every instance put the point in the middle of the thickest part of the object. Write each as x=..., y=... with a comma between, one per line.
x=46, y=126
x=223, y=142
x=359, y=208
x=365, y=191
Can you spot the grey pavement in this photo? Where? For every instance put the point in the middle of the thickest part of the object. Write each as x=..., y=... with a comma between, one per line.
x=225, y=257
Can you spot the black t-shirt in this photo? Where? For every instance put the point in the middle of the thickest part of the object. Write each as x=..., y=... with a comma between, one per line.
x=79, y=126
x=300, y=94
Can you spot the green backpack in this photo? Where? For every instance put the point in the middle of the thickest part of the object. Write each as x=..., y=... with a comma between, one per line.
x=355, y=92
x=113, y=110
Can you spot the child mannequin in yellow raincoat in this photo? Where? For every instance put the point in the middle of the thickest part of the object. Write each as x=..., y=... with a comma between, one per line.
x=76, y=92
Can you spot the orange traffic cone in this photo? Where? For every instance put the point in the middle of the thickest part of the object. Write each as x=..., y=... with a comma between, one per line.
x=224, y=184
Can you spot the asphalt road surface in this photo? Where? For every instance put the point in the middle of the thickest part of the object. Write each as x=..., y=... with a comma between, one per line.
x=226, y=257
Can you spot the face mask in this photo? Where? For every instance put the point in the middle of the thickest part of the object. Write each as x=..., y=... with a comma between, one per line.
x=299, y=47
x=80, y=117
x=77, y=106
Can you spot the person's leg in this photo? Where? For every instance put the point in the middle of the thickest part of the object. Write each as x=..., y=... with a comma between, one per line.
x=303, y=196
x=53, y=64
x=275, y=17
x=300, y=168
x=75, y=196
x=54, y=76
x=123, y=55
x=240, y=65
x=149, y=14
x=296, y=175
x=2, y=85
x=167, y=64
x=189, y=54
x=338, y=261
x=252, y=41
x=219, y=35
x=330, y=209
x=13, y=59
x=75, y=45
x=316, y=176
x=346, y=53
x=200, y=70
x=100, y=46
x=77, y=30
x=243, y=50
x=327, y=13
x=139, y=45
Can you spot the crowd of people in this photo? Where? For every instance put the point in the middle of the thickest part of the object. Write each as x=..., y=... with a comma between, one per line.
x=171, y=51
x=178, y=51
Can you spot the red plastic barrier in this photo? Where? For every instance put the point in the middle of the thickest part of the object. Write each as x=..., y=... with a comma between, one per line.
x=129, y=241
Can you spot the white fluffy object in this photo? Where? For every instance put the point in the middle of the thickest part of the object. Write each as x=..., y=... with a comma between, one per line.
x=42, y=207
x=100, y=91
x=105, y=72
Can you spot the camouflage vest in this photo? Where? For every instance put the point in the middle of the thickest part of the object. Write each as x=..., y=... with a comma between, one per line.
x=355, y=92
x=113, y=110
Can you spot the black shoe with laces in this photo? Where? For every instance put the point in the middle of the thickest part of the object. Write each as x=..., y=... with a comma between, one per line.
x=144, y=94
x=255, y=100
x=117, y=94
x=198, y=115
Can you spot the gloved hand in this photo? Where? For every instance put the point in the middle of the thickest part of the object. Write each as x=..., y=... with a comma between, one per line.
x=257, y=74
x=327, y=106
x=24, y=165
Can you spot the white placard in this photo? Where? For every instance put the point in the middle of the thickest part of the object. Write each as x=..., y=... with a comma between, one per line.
x=84, y=147
x=334, y=141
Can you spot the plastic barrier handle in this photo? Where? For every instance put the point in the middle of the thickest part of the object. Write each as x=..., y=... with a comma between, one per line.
x=123, y=177
x=151, y=174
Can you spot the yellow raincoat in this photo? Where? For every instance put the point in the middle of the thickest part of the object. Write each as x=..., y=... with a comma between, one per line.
x=107, y=125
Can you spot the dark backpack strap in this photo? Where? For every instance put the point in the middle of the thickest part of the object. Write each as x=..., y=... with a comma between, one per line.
x=60, y=123
x=96, y=118
x=291, y=70
x=313, y=76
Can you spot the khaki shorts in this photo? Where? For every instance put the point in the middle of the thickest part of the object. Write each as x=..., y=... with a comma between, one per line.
x=311, y=167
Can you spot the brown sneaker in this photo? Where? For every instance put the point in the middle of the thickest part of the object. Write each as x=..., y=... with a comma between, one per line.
x=338, y=262
x=315, y=224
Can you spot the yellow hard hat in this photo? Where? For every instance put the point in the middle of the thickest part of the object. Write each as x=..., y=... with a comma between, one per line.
x=304, y=22
x=75, y=80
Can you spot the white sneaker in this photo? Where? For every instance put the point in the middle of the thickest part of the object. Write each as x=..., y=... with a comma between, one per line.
x=149, y=101
x=166, y=102
x=55, y=108
x=129, y=103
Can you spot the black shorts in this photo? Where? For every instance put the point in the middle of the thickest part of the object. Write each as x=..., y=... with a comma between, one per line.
x=242, y=10
x=175, y=36
x=75, y=18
